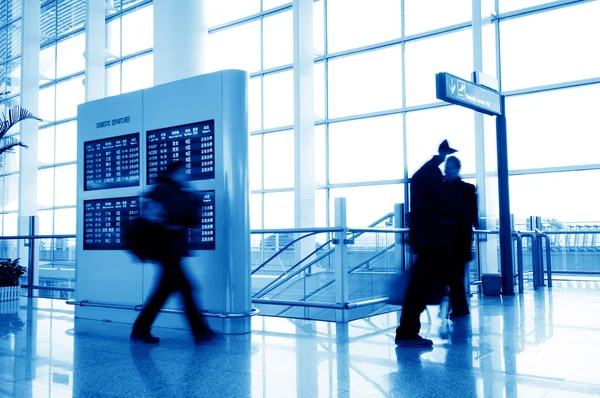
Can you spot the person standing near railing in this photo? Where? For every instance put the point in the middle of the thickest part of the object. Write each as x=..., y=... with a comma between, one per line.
x=429, y=241
x=461, y=200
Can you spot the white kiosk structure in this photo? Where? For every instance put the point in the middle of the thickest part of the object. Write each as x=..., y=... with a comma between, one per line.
x=123, y=144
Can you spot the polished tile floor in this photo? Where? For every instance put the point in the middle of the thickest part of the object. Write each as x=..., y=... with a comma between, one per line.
x=542, y=344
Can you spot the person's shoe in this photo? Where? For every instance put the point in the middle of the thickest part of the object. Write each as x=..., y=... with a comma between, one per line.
x=147, y=338
x=417, y=341
x=204, y=336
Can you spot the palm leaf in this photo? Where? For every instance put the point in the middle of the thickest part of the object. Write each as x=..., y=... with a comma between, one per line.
x=15, y=115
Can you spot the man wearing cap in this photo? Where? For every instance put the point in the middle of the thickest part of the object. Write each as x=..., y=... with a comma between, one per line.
x=429, y=241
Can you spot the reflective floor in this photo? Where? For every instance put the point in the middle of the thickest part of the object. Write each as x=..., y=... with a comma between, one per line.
x=542, y=344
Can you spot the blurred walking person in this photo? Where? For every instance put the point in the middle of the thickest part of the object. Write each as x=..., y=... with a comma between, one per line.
x=171, y=209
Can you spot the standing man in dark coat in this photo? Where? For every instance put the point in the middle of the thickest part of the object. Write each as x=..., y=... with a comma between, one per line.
x=429, y=241
x=461, y=199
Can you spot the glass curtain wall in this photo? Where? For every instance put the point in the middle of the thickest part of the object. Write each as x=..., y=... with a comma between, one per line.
x=257, y=36
x=10, y=76
x=129, y=42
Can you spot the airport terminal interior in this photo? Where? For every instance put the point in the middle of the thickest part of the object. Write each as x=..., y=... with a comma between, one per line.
x=340, y=107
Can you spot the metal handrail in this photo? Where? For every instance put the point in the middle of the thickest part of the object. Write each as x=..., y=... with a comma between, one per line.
x=138, y=307
x=18, y=237
x=317, y=304
x=284, y=248
x=329, y=283
x=272, y=285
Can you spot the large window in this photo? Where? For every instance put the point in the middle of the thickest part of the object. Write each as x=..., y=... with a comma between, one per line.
x=129, y=42
x=551, y=47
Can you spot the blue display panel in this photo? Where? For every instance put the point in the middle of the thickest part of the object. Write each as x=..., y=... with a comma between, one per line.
x=191, y=143
x=204, y=237
x=105, y=219
x=112, y=162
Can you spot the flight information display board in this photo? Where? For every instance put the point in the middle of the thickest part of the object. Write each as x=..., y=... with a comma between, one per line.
x=204, y=237
x=191, y=143
x=112, y=162
x=104, y=220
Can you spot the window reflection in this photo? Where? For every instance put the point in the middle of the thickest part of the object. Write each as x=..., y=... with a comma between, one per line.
x=138, y=73
x=69, y=94
x=66, y=183
x=113, y=80
x=279, y=159
x=364, y=205
x=66, y=142
x=357, y=23
x=553, y=128
x=10, y=162
x=113, y=36
x=45, y=187
x=426, y=129
x=321, y=211
x=255, y=161
x=319, y=90
x=367, y=82
x=366, y=150
x=268, y=4
x=138, y=28
x=278, y=40
x=219, y=12
x=569, y=197
x=255, y=104
x=45, y=222
x=320, y=159
x=255, y=214
x=65, y=221
x=69, y=59
x=424, y=15
x=452, y=53
x=47, y=64
x=13, y=76
x=319, y=27
x=235, y=48
x=278, y=99
x=511, y=5
x=11, y=224
x=11, y=192
x=46, y=146
x=279, y=210
x=530, y=47
x=46, y=103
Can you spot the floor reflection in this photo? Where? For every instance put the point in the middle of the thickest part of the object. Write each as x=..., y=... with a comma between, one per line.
x=542, y=343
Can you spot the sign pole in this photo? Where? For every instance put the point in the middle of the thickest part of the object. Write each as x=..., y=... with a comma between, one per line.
x=506, y=253
x=486, y=100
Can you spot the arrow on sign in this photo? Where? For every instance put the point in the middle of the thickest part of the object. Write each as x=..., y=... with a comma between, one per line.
x=452, y=86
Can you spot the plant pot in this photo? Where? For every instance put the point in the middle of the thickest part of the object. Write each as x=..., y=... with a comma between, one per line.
x=492, y=284
x=8, y=293
x=10, y=307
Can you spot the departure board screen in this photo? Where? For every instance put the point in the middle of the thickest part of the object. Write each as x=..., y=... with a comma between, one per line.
x=105, y=219
x=190, y=143
x=112, y=162
x=204, y=237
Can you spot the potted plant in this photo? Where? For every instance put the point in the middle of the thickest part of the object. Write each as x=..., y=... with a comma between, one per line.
x=10, y=272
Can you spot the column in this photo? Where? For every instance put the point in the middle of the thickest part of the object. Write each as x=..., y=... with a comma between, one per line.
x=95, y=49
x=304, y=122
x=28, y=160
x=488, y=208
x=180, y=40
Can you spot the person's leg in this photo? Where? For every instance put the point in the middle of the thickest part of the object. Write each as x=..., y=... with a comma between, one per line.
x=143, y=323
x=198, y=325
x=458, y=295
x=415, y=300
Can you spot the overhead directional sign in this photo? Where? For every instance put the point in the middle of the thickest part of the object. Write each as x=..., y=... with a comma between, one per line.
x=462, y=92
